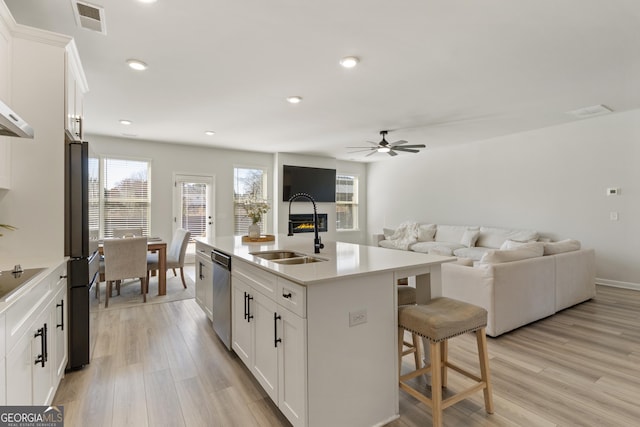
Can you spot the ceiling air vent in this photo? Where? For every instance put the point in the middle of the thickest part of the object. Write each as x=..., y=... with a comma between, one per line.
x=89, y=16
x=592, y=111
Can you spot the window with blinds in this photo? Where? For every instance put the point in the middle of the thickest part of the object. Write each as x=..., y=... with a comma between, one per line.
x=249, y=184
x=193, y=197
x=126, y=197
x=346, y=202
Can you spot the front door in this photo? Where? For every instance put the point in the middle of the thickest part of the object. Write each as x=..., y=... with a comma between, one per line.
x=193, y=208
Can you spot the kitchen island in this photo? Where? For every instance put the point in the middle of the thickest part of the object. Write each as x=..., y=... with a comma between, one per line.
x=321, y=335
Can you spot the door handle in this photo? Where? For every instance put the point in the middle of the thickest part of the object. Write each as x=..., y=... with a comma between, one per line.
x=276, y=340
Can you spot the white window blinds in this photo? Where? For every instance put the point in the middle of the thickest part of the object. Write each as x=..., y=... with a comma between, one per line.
x=346, y=202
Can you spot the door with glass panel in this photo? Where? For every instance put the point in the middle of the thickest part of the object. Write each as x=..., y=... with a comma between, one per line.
x=193, y=207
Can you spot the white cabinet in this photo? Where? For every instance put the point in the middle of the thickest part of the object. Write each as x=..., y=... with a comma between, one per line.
x=35, y=343
x=204, y=280
x=75, y=88
x=3, y=372
x=271, y=339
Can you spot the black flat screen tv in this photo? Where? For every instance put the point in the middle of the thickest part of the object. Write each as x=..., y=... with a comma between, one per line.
x=318, y=183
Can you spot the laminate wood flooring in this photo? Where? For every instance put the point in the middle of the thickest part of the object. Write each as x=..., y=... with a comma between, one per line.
x=162, y=365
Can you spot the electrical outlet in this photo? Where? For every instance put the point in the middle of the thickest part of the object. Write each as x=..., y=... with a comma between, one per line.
x=357, y=317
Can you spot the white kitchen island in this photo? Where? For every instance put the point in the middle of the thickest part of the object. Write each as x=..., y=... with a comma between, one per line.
x=321, y=337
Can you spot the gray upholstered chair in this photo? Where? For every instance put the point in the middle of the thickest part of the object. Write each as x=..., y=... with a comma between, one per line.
x=127, y=232
x=175, y=254
x=125, y=259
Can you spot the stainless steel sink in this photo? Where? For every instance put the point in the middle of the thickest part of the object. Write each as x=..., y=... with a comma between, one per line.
x=276, y=255
x=300, y=260
x=286, y=257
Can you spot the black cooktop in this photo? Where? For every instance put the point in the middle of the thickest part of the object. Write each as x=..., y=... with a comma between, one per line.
x=10, y=281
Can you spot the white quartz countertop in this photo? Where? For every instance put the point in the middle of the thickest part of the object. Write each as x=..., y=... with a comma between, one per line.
x=342, y=259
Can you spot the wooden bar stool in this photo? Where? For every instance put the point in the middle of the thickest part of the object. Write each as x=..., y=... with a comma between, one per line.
x=407, y=296
x=438, y=321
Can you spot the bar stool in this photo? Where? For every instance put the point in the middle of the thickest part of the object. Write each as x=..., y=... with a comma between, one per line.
x=438, y=321
x=407, y=296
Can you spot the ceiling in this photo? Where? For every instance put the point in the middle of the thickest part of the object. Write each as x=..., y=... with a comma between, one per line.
x=434, y=72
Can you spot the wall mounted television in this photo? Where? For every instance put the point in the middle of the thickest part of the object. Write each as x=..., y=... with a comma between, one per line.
x=317, y=182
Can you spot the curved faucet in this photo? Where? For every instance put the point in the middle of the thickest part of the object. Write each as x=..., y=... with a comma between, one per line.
x=317, y=243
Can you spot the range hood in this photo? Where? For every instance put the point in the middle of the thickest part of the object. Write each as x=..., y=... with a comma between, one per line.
x=12, y=125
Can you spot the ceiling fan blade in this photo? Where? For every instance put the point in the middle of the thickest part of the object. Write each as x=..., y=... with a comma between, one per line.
x=392, y=153
x=373, y=143
x=372, y=152
x=364, y=148
x=402, y=141
x=408, y=150
x=360, y=151
x=414, y=146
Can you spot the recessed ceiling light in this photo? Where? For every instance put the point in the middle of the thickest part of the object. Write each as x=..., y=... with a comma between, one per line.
x=294, y=99
x=147, y=1
x=125, y=122
x=137, y=65
x=349, y=61
x=209, y=132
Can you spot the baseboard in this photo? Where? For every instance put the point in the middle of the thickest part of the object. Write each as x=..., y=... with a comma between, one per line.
x=618, y=284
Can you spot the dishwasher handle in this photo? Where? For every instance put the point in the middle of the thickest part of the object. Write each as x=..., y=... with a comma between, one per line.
x=221, y=259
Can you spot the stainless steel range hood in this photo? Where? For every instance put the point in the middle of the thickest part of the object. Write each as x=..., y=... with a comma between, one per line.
x=12, y=125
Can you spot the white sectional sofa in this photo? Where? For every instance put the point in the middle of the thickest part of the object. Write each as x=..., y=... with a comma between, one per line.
x=516, y=278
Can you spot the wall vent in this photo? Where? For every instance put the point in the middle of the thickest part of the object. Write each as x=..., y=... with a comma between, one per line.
x=89, y=16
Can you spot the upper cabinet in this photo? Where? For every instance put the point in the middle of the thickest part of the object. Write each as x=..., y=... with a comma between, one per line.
x=76, y=87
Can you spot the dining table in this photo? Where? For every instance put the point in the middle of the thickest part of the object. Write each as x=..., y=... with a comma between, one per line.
x=154, y=244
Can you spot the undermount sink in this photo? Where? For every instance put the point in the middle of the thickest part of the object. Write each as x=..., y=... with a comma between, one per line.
x=286, y=257
x=275, y=255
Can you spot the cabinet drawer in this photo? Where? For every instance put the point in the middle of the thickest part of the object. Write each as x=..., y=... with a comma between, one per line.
x=292, y=296
x=260, y=280
x=24, y=310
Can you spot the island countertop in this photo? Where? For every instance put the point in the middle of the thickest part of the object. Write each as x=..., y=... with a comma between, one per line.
x=341, y=258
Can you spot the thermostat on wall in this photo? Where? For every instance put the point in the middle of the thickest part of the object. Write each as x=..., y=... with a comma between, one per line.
x=613, y=191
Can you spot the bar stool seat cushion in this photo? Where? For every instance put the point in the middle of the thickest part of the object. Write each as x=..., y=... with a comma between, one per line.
x=406, y=295
x=442, y=318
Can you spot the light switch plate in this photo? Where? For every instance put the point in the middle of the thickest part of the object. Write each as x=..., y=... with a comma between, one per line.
x=357, y=317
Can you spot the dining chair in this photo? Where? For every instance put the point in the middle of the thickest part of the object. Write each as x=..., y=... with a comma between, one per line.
x=127, y=232
x=175, y=254
x=125, y=259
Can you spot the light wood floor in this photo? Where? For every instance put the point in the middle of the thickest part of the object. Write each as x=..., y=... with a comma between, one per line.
x=162, y=365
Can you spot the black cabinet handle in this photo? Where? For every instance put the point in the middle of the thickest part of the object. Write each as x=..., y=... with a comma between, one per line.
x=40, y=359
x=46, y=344
x=276, y=340
x=249, y=315
x=287, y=295
x=61, y=324
x=200, y=273
x=245, y=306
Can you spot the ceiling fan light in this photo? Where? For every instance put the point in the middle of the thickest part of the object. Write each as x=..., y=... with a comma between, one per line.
x=384, y=149
x=137, y=65
x=349, y=61
x=294, y=99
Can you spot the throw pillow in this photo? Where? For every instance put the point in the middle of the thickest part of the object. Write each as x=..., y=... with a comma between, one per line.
x=567, y=245
x=527, y=250
x=470, y=237
x=511, y=244
x=388, y=232
x=426, y=232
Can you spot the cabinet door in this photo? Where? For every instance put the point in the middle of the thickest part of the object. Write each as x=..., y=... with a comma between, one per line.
x=19, y=369
x=265, y=358
x=292, y=367
x=41, y=348
x=59, y=345
x=240, y=325
x=204, y=285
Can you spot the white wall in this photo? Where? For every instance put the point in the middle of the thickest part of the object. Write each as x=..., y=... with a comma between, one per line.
x=552, y=180
x=281, y=209
x=169, y=159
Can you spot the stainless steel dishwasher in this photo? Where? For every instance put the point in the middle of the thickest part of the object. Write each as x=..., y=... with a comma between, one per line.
x=222, y=296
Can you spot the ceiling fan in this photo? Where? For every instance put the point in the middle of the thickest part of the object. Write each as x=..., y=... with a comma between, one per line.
x=390, y=148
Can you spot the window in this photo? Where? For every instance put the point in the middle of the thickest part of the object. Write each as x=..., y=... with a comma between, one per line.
x=249, y=184
x=346, y=202
x=126, y=195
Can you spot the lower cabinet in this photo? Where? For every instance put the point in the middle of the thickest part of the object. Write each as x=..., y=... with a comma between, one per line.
x=36, y=341
x=204, y=280
x=271, y=342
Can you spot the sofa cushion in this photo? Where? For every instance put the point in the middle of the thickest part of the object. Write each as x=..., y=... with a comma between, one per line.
x=470, y=237
x=493, y=237
x=388, y=232
x=451, y=233
x=567, y=245
x=425, y=247
x=528, y=250
x=426, y=232
x=511, y=244
x=473, y=253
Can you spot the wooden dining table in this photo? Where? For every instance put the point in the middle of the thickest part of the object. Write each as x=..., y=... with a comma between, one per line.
x=155, y=244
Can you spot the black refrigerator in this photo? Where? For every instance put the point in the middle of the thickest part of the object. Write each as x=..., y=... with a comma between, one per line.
x=81, y=244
